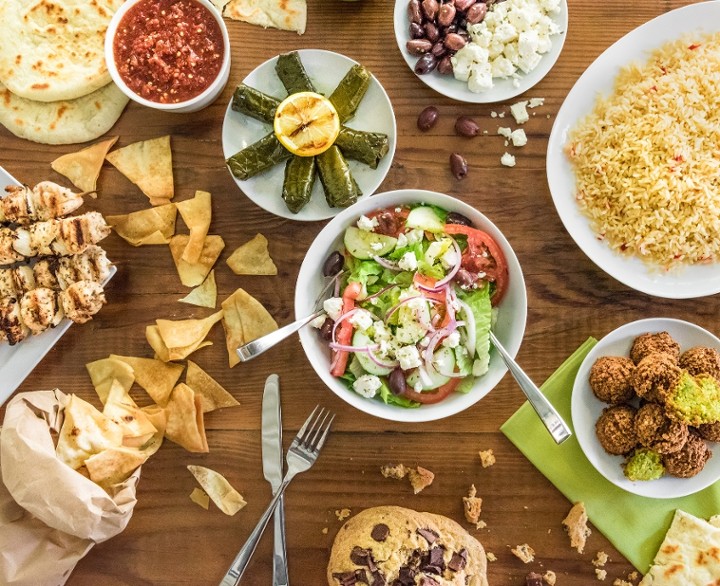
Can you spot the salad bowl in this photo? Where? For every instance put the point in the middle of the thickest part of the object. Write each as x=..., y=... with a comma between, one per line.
x=508, y=317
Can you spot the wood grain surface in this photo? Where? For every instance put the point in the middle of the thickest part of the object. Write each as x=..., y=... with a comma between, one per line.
x=170, y=540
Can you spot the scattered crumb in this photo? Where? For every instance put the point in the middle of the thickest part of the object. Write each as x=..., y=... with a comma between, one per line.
x=535, y=102
x=576, y=525
x=324, y=531
x=600, y=559
x=508, y=160
x=550, y=577
x=519, y=112
x=493, y=114
x=472, y=506
x=200, y=497
x=524, y=553
x=633, y=576
x=485, y=131
x=501, y=115
x=491, y=557
x=480, y=525
x=487, y=458
x=518, y=137
x=342, y=514
x=601, y=574
x=420, y=478
x=396, y=471
x=505, y=131
x=547, y=116
x=620, y=582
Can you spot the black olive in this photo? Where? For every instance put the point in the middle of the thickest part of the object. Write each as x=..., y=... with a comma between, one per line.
x=455, y=218
x=326, y=329
x=333, y=264
x=396, y=382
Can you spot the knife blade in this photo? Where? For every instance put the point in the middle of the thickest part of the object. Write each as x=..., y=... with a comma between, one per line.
x=272, y=457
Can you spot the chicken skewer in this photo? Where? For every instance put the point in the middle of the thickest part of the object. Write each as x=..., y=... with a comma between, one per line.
x=42, y=308
x=55, y=273
x=45, y=201
x=59, y=236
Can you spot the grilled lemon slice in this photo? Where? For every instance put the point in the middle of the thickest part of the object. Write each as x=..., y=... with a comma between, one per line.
x=306, y=124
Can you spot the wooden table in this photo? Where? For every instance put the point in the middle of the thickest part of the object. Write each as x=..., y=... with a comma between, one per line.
x=170, y=540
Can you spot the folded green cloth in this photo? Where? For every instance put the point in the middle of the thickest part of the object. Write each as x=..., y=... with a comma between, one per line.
x=635, y=525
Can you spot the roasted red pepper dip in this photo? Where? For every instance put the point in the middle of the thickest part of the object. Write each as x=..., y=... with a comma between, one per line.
x=168, y=51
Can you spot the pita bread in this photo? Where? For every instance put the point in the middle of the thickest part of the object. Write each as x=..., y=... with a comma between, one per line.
x=688, y=556
x=83, y=167
x=287, y=15
x=64, y=122
x=54, y=50
x=252, y=258
x=227, y=499
x=185, y=424
x=148, y=164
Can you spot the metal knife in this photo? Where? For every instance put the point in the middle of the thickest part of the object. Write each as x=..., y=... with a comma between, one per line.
x=272, y=457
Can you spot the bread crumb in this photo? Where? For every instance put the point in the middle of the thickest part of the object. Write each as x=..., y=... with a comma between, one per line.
x=508, y=160
x=600, y=559
x=620, y=582
x=524, y=553
x=550, y=577
x=493, y=114
x=396, y=471
x=519, y=112
x=420, y=478
x=472, y=506
x=480, y=525
x=487, y=458
x=324, y=531
x=576, y=525
x=600, y=574
x=491, y=557
x=342, y=514
x=501, y=115
x=633, y=576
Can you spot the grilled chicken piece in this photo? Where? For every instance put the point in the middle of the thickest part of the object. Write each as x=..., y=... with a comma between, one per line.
x=39, y=310
x=47, y=200
x=11, y=322
x=81, y=300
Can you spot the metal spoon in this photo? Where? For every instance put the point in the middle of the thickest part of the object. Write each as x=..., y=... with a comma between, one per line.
x=548, y=415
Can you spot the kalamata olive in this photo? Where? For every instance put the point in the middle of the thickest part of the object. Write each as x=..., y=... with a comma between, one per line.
x=463, y=5
x=396, y=382
x=430, y=9
x=432, y=33
x=466, y=126
x=438, y=49
x=426, y=64
x=464, y=278
x=446, y=14
x=458, y=166
x=333, y=264
x=418, y=46
x=454, y=42
x=446, y=30
x=476, y=13
x=326, y=329
x=445, y=65
x=416, y=31
x=455, y=218
x=427, y=118
x=414, y=12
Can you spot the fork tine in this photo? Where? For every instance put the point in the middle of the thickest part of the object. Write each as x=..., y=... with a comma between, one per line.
x=311, y=441
x=301, y=432
x=318, y=446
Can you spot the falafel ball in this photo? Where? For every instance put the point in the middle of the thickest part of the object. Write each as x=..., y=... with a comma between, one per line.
x=709, y=431
x=655, y=430
x=701, y=360
x=689, y=460
x=643, y=464
x=615, y=429
x=655, y=375
x=659, y=343
x=611, y=379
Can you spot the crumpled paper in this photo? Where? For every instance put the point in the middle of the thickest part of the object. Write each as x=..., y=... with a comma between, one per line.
x=50, y=515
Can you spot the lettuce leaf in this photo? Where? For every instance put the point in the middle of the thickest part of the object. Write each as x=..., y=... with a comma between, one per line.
x=479, y=302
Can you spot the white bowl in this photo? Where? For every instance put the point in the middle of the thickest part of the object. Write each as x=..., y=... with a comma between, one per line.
x=586, y=408
x=193, y=104
x=509, y=328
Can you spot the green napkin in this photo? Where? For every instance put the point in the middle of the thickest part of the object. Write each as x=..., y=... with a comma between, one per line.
x=635, y=525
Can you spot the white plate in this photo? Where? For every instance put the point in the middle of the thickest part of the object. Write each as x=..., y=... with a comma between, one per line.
x=684, y=283
x=325, y=69
x=18, y=361
x=586, y=408
x=503, y=89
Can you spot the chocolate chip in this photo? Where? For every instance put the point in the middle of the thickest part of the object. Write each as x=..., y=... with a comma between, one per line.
x=406, y=576
x=378, y=579
x=458, y=560
x=380, y=532
x=346, y=578
x=359, y=556
x=436, y=556
x=429, y=535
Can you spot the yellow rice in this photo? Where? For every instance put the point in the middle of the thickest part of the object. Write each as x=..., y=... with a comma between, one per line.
x=647, y=159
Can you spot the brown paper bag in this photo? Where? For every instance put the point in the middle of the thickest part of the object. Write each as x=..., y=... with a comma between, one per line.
x=50, y=515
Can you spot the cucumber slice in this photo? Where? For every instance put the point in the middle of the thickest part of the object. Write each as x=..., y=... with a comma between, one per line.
x=424, y=218
x=363, y=245
x=443, y=359
x=360, y=339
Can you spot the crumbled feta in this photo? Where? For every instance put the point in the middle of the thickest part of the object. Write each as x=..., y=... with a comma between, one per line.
x=508, y=160
x=408, y=262
x=366, y=224
x=452, y=340
x=362, y=320
x=402, y=241
x=381, y=332
x=519, y=112
x=493, y=114
x=535, y=102
x=333, y=307
x=450, y=258
x=518, y=137
x=408, y=356
x=505, y=131
x=319, y=321
x=414, y=236
x=376, y=246
x=367, y=385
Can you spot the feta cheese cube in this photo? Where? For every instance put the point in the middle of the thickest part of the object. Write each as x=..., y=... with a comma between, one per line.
x=502, y=67
x=408, y=356
x=518, y=137
x=362, y=320
x=319, y=321
x=519, y=112
x=508, y=160
x=504, y=33
x=367, y=385
x=535, y=102
x=452, y=340
x=504, y=131
x=333, y=307
x=366, y=224
x=408, y=262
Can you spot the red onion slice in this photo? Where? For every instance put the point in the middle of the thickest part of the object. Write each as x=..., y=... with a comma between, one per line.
x=449, y=277
x=385, y=263
x=390, y=365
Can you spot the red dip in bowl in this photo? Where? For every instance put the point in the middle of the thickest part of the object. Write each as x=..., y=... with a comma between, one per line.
x=168, y=51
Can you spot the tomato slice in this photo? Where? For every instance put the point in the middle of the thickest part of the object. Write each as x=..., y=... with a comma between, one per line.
x=343, y=335
x=435, y=396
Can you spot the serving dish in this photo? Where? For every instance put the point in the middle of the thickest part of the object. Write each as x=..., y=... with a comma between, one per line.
x=683, y=283
x=325, y=69
x=586, y=408
x=509, y=326
x=17, y=362
x=503, y=89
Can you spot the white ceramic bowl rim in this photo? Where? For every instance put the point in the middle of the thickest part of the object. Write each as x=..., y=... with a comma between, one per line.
x=509, y=327
x=213, y=88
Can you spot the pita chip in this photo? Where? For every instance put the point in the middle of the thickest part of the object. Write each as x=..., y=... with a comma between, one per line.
x=148, y=164
x=106, y=371
x=196, y=213
x=244, y=320
x=185, y=424
x=288, y=15
x=83, y=167
x=212, y=394
x=158, y=378
x=193, y=274
x=114, y=465
x=151, y=226
x=200, y=497
x=252, y=258
x=227, y=499
x=158, y=417
x=204, y=295
x=136, y=425
x=177, y=339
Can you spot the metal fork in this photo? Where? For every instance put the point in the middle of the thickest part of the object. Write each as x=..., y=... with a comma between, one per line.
x=302, y=454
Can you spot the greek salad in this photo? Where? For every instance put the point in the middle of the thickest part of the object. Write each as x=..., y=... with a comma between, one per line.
x=414, y=295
